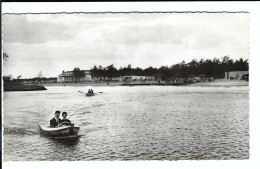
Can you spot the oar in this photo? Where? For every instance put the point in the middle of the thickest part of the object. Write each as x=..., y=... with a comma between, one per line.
x=85, y=93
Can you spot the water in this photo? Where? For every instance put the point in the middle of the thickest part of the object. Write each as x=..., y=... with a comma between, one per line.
x=131, y=123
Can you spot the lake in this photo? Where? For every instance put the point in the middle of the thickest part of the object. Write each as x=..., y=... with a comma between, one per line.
x=130, y=123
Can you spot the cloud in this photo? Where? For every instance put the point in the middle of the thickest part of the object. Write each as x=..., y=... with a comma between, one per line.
x=64, y=41
x=18, y=29
x=140, y=34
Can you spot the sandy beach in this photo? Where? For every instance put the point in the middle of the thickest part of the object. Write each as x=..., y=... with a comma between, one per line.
x=101, y=83
x=222, y=82
x=216, y=82
x=84, y=84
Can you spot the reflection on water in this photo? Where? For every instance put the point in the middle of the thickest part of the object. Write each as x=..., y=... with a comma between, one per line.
x=130, y=123
x=66, y=141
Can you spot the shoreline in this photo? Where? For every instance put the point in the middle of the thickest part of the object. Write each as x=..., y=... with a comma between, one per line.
x=222, y=82
x=83, y=84
x=216, y=83
x=19, y=87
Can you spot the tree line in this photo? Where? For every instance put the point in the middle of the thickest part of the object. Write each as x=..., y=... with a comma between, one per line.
x=210, y=68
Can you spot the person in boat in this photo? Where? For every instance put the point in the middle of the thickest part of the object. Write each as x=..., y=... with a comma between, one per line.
x=56, y=120
x=89, y=91
x=65, y=121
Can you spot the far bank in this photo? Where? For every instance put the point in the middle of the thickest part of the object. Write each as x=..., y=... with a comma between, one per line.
x=216, y=82
x=16, y=86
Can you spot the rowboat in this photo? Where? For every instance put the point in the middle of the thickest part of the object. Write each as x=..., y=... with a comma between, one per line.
x=62, y=131
x=90, y=94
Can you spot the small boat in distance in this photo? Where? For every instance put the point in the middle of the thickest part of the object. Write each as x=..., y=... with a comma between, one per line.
x=89, y=94
x=63, y=131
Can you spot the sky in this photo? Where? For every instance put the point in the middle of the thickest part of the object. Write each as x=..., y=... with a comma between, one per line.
x=51, y=43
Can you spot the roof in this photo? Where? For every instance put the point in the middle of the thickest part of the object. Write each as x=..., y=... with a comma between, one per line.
x=246, y=71
x=87, y=71
x=70, y=73
x=67, y=73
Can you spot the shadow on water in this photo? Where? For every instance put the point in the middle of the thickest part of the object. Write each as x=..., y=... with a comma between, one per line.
x=65, y=141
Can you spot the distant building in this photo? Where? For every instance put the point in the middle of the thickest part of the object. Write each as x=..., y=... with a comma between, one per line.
x=235, y=74
x=68, y=76
x=137, y=78
x=49, y=80
x=100, y=78
x=40, y=80
x=88, y=76
x=158, y=76
x=202, y=78
x=245, y=76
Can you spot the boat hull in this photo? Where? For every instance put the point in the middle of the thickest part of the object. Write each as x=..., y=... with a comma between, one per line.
x=90, y=94
x=58, y=131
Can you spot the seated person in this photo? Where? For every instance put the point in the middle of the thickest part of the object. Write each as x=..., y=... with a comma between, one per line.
x=65, y=121
x=56, y=120
x=89, y=91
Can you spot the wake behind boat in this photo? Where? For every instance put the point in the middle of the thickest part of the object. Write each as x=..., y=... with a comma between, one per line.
x=63, y=131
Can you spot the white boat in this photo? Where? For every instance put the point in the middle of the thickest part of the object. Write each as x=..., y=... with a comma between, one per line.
x=62, y=131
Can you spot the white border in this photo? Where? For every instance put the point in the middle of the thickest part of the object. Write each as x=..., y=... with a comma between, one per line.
x=252, y=7
x=124, y=6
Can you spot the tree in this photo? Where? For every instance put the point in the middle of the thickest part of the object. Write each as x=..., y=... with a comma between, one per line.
x=225, y=59
x=230, y=63
x=111, y=72
x=78, y=73
x=193, y=67
x=150, y=71
x=210, y=68
x=138, y=71
x=7, y=78
x=39, y=74
x=94, y=70
x=18, y=77
x=218, y=70
x=5, y=56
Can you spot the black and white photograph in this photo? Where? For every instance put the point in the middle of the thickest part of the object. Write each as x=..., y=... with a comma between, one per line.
x=125, y=86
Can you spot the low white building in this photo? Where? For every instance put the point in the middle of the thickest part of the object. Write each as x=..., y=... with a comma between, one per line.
x=87, y=77
x=68, y=77
x=235, y=74
x=102, y=78
x=137, y=78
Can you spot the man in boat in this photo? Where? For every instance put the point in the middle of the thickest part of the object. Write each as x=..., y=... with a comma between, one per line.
x=65, y=121
x=56, y=120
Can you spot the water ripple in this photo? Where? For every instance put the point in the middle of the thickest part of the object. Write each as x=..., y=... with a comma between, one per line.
x=131, y=123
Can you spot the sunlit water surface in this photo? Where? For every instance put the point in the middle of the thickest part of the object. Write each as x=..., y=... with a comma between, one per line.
x=131, y=123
